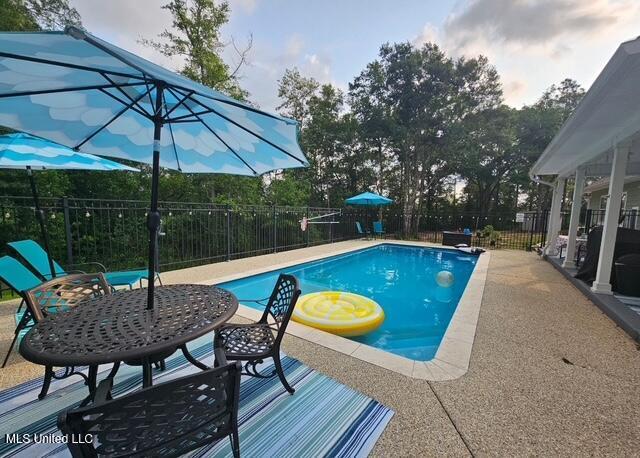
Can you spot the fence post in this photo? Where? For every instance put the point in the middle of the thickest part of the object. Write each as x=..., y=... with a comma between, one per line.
x=587, y=221
x=228, y=232
x=533, y=224
x=275, y=230
x=308, y=231
x=331, y=229
x=67, y=230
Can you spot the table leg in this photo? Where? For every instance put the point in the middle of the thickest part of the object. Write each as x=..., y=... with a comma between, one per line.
x=191, y=359
x=147, y=378
x=92, y=380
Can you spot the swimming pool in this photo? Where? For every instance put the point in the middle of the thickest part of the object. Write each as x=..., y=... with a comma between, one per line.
x=401, y=278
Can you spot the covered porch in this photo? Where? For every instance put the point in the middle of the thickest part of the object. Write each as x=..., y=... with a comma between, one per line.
x=600, y=140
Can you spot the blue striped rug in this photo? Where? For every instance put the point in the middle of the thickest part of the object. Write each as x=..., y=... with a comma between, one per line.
x=323, y=417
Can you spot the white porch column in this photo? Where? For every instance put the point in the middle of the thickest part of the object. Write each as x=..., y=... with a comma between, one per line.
x=554, y=218
x=576, y=204
x=602, y=283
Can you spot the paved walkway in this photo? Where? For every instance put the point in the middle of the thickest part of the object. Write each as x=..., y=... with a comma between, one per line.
x=549, y=373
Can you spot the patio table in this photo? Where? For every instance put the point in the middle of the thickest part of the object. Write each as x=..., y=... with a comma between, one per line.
x=119, y=327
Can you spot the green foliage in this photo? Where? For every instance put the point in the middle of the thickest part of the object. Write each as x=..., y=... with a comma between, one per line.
x=288, y=189
x=31, y=15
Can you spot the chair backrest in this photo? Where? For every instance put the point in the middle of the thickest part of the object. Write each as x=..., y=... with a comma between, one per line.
x=16, y=276
x=359, y=227
x=65, y=292
x=377, y=227
x=34, y=255
x=282, y=302
x=168, y=419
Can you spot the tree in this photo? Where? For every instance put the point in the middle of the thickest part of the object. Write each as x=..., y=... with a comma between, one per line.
x=33, y=15
x=53, y=14
x=327, y=135
x=490, y=158
x=537, y=126
x=196, y=38
x=410, y=103
x=295, y=91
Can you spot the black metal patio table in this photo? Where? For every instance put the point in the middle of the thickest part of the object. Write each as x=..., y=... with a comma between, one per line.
x=119, y=327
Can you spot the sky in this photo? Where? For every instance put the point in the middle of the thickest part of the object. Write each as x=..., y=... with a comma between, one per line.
x=532, y=43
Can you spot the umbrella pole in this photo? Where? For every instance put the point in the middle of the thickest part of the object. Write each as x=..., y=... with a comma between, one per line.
x=153, y=219
x=41, y=221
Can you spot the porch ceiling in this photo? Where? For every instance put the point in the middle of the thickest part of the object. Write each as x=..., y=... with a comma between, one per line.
x=608, y=114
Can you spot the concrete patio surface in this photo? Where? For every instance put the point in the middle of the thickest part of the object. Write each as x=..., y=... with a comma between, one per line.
x=549, y=373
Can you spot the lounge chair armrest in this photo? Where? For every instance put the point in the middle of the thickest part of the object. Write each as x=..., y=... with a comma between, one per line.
x=67, y=272
x=100, y=266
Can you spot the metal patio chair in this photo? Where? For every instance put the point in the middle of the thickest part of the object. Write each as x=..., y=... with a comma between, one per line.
x=255, y=342
x=168, y=419
x=61, y=294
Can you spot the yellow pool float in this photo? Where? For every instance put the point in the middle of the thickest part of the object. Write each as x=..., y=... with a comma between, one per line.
x=345, y=314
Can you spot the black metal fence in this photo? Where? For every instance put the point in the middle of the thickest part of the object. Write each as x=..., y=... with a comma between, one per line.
x=629, y=219
x=512, y=230
x=115, y=234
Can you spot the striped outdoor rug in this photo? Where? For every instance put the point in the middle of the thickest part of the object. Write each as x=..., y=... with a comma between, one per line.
x=323, y=417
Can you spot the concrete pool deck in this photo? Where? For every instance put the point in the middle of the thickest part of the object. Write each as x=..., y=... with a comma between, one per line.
x=549, y=373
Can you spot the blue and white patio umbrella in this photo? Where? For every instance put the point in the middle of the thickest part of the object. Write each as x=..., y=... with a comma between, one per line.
x=23, y=151
x=82, y=92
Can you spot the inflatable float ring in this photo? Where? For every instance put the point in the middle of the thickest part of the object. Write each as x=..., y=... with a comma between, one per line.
x=344, y=314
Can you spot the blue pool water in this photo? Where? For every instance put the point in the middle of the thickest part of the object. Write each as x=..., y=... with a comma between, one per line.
x=402, y=279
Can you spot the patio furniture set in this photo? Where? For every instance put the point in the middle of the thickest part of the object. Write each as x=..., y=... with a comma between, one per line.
x=378, y=230
x=127, y=107
x=81, y=319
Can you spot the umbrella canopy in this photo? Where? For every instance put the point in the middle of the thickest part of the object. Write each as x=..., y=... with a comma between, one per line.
x=80, y=91
x=23, y=151
x=369, y=199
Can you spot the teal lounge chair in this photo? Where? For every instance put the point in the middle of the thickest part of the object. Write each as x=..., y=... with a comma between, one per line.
x=20, y=279
x=378, y=230
x=36, y=258
x=361, y=232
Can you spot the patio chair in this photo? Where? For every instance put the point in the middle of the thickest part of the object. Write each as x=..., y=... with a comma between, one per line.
x=36, y=257
x=363, y=232
x=255, y=342
x=168, y=419
x=61, y=294
x=378, y=229
x=19, y=279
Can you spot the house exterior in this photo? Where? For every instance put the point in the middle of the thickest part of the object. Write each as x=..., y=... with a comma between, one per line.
x=596, y=194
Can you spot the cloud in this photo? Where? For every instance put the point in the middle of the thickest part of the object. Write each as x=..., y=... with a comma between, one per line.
x=532, y=22
x=294, y=46
x=247, y=6
x=536, y=43
x=514, y=89
x=267, y=64
x=428, y=34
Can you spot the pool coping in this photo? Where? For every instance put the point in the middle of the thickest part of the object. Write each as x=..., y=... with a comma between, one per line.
x=454, y=353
